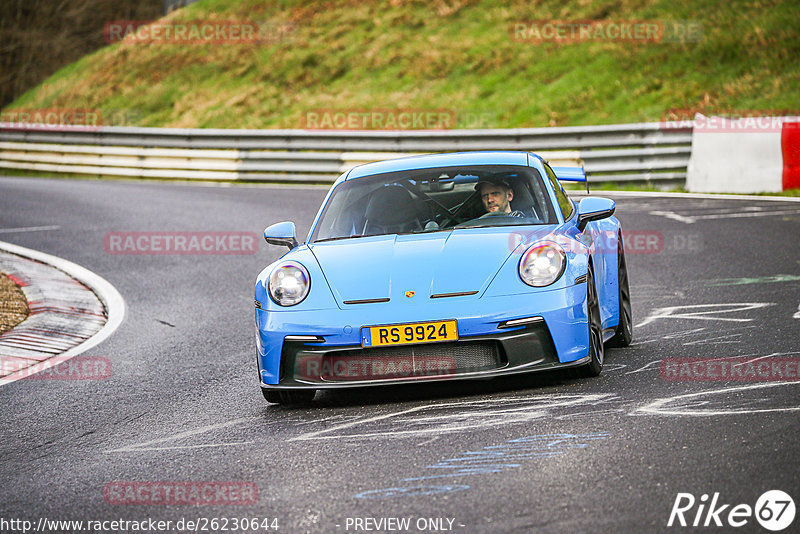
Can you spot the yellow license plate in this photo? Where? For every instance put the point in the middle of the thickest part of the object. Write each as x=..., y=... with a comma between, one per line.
x=407, y=334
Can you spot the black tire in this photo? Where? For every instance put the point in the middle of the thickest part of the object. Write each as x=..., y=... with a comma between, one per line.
x=596, y=351
x=624, y=331
x=289, y=397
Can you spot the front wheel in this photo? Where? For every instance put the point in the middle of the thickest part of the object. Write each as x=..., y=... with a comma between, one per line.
x=624, y=331
x=288, y=397
x=596, y=351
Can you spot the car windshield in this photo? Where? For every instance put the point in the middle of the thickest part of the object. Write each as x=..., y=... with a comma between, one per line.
x=437, y=199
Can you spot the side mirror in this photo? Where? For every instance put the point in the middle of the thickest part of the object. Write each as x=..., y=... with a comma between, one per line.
x=594, y=209
x=282, y=234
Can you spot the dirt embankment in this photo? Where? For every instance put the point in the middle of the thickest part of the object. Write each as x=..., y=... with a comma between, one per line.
x=13, y=304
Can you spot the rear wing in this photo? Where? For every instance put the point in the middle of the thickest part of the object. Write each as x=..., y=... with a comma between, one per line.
x=571, y=174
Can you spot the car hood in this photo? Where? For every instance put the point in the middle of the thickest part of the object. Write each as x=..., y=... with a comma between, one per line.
x=438, y=263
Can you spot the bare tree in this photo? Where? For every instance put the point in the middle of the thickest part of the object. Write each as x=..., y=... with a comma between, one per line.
x=38, y=37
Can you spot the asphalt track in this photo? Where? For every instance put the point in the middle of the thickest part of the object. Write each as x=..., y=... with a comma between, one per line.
x=543, y=453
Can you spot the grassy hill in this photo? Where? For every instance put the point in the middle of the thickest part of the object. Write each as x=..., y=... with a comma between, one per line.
x=454, y=55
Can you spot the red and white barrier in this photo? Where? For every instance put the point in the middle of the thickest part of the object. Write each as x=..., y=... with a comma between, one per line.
x=747, y=155
x=790, y=144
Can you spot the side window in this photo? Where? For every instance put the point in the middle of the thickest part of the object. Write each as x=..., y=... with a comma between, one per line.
x=563, y=200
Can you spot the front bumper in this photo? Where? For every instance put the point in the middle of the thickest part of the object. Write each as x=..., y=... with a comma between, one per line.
x=329, y=353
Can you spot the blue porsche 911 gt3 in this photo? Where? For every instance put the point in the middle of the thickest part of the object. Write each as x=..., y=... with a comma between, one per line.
x=442, y=267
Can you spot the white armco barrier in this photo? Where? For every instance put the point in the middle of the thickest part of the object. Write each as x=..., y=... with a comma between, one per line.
x=736, y=156
x=621, y=152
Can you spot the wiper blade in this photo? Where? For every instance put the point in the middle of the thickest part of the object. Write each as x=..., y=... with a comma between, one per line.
x=342, y=237
x=429, y=231
x=503, y=221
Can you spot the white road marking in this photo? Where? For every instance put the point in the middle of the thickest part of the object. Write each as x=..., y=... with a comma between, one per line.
x=690, y=408
x=763, y=357
x=674, y=216
x=178, y=447
x=691, y=219
x=500, y=411
x=643, y=342
x=797, y=313
x=715, y=340
x=745, y=214
x=727, y=282
x=646, y=367
x=313, y=435
x=650, y=365
x=674, y=312
x=592, y=413
x=707, y=209
x=148, y=445
x=29, y=229
x=704, y=196
x=300, y=422
x=685, y=333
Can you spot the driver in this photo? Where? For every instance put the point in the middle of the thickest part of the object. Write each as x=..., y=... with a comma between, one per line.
x=496, y=196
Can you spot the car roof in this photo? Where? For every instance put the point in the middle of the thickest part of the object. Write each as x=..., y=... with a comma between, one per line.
x=429, y=161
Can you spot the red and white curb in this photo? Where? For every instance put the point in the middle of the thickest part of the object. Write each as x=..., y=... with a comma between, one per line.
x=71, y=311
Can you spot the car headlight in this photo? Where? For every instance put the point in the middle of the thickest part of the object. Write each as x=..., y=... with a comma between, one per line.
x=542, y=264
x=289, y=283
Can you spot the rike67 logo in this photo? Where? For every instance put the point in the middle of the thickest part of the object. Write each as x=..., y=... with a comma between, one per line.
x=774, y=510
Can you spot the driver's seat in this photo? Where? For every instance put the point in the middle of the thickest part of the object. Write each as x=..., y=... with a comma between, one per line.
x=391, y=210
x=523, y=202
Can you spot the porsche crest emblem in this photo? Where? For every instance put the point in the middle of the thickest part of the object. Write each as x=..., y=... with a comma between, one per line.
x=409, y=294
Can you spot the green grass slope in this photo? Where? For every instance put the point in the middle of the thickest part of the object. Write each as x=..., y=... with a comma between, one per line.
x=453, y=55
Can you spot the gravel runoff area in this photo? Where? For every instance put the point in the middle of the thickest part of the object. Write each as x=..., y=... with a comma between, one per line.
x=13, y=304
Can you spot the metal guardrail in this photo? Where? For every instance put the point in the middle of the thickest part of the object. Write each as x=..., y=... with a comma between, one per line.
x=647, y=151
